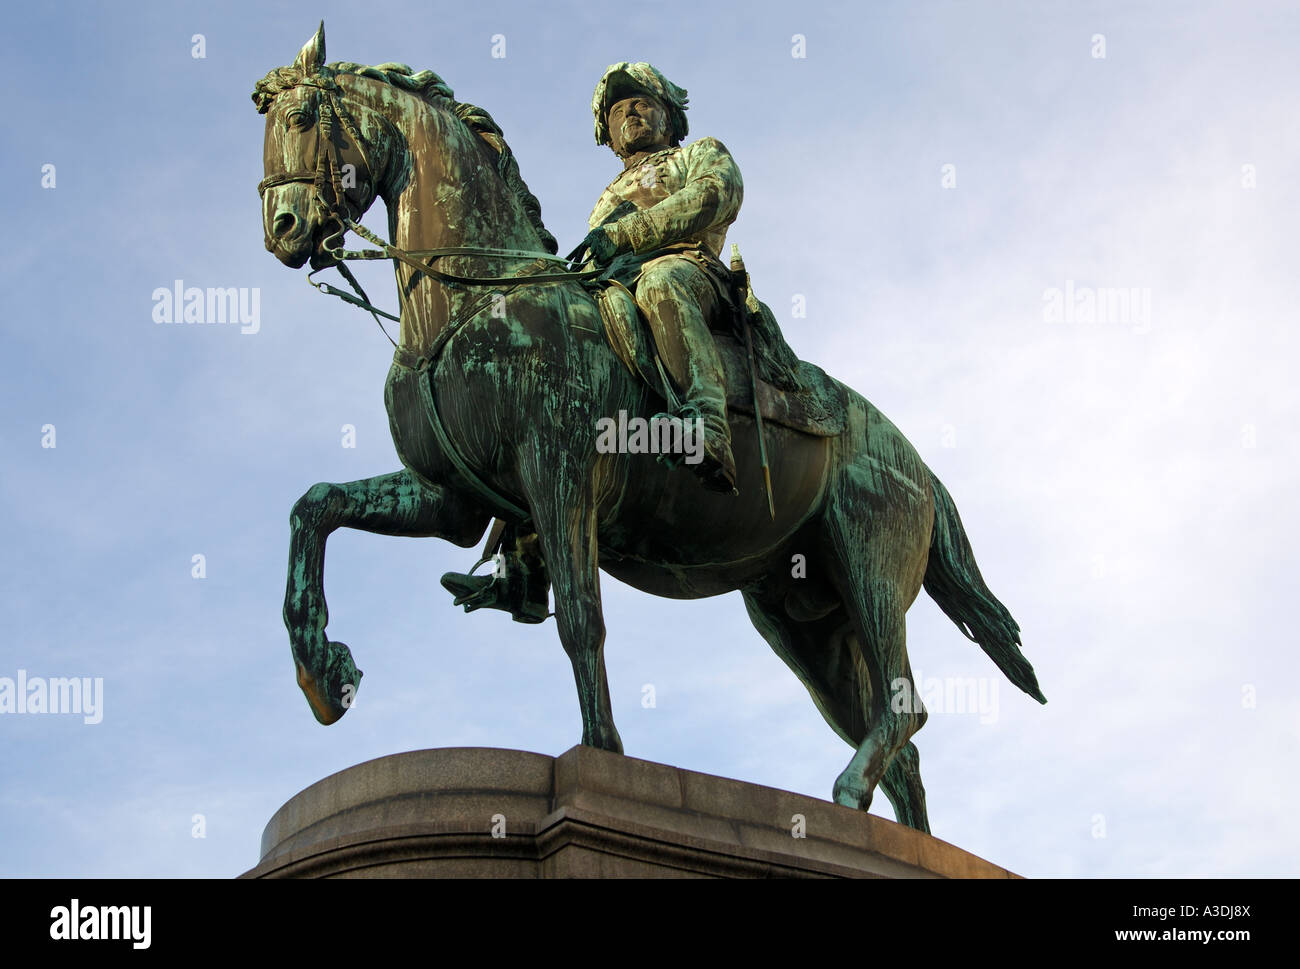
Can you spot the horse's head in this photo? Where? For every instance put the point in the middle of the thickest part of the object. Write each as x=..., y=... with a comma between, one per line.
x=323, y=158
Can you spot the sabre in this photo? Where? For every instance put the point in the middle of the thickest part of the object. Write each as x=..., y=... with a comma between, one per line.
x=741, y=280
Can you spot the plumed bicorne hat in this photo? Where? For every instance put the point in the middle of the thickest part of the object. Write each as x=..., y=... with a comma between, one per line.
x=626, y=80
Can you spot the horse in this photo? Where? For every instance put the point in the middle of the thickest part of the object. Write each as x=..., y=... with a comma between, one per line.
x=500, y=377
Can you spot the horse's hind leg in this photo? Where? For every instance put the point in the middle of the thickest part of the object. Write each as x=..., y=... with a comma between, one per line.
x=390, y=504
x=879, y=550
x=902, y=785
x=826, y=656
x=820, y=653
x=565, y=520
x=878, y=612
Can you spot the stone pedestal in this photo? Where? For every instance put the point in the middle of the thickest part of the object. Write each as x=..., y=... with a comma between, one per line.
x=478, y=812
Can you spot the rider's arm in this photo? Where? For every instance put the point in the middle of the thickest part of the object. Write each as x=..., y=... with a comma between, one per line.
x=710, y=197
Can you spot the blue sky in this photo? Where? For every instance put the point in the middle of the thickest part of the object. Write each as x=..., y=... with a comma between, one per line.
x=1128, y=486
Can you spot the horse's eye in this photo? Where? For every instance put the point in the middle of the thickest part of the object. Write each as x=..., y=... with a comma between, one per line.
x=298, y=119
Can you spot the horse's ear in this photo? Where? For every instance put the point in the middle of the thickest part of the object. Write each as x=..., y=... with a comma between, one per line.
x=312, y=56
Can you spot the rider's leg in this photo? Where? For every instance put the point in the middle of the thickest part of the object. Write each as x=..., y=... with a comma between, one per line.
x=679, y=300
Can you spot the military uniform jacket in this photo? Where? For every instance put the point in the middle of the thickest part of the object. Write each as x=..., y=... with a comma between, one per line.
x=685, y=199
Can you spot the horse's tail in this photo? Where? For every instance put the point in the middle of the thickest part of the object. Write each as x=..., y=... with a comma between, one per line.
x=953, y=580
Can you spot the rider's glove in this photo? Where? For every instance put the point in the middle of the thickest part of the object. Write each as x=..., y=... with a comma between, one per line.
x=603, y=244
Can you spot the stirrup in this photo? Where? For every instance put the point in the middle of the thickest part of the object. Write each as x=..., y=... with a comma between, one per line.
x=485, y=592
x=472, y=591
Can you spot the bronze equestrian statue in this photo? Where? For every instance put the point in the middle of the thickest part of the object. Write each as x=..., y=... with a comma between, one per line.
x=504, y=369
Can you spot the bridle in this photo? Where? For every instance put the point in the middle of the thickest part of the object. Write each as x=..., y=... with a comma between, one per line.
x=328, y=167
x=329, y=170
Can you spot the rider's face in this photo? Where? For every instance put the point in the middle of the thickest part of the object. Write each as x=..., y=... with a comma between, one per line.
x=637, y=124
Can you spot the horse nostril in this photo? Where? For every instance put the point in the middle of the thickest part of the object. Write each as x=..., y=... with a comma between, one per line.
x=283, y=225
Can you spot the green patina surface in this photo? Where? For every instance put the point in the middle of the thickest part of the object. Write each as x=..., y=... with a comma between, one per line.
x=497, y=392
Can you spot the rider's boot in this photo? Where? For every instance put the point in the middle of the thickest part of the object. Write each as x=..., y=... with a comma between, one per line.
x=518, y=585
x=705, y=422
x=705, y=403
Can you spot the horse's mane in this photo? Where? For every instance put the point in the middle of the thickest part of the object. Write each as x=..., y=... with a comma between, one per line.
x=432, y=89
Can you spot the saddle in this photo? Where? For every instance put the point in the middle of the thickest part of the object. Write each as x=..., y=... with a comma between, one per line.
x=791, y=392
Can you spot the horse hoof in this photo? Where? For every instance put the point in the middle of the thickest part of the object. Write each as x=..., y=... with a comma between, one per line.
x=331, y=693
x=851, y=796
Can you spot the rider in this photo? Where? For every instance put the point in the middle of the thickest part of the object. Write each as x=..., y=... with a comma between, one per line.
x=659, y=229
x=666, y=249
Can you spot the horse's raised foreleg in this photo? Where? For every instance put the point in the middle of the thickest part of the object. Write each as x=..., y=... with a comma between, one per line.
x=565, y=519
x=390, y=504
